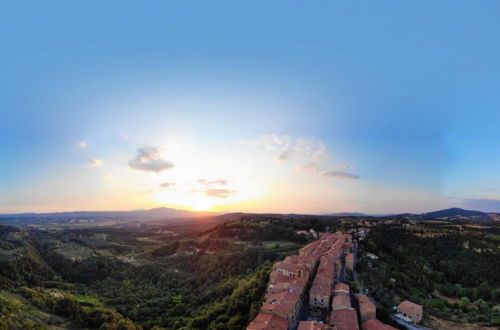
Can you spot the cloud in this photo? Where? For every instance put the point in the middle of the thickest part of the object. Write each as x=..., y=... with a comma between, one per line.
x=480, y=204
x=334, y=173
x=95, y=162
x=340, y=174
x=148, y=159
x=219, y=193
x=218, y=182
x=82, y=145
x=167, y=185
x=286, y=148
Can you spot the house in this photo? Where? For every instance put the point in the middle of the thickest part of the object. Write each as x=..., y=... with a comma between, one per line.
x=341, y=287
x=284, y=304
x=375, y=324
x=344, y=319
x=410, y=311
x=290, y=269
x=321, y=291
x=341, y=301
x=367, y=308
x=266, y=321
x=313, y=325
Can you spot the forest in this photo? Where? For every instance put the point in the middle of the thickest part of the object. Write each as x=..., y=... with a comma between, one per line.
x=201, y=280
x=454, y=275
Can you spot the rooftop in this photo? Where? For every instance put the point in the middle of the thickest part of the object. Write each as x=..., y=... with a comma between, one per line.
x=344, y=319
x=409, y=307
x=341, y=287
x=282, y=303
x=264, y=321
x=375, y=324
x=322, y=285
x=341, y=301
x=365, y=303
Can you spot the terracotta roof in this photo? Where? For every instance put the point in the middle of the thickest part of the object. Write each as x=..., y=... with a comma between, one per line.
x=341, y=287
x=293, y=259
x=365, y=303
x=375, y=324
x=313, y=325
x=282, y=303
x=295, y=285
x=340, y=301
x=289, y=267
x=409, y=308
x=344, y=319
x=276, y=277
x=264, y=321
x=322, y=285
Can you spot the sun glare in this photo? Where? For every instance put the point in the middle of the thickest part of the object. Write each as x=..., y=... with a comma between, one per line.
x=195, y=203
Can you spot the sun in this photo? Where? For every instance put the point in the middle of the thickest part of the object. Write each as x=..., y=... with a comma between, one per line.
x=185, y=201
x=202, y=204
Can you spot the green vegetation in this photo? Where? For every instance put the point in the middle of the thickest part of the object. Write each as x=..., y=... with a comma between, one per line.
x=114, y=278
x=455, y=276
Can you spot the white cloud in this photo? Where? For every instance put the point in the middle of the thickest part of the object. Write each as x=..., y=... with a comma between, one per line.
x=82, y=145
x=148, y=159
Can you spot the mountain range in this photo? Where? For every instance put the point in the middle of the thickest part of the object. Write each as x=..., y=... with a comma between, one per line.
x=164, y=213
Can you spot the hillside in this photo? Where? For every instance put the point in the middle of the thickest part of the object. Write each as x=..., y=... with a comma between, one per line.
x=160, y=213
x=176, y=276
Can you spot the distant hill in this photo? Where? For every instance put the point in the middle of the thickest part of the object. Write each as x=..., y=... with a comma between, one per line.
x=161, y=213
x=454, y=213
x=347, y=214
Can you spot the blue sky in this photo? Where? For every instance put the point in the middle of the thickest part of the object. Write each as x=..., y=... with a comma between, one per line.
x=403, y=96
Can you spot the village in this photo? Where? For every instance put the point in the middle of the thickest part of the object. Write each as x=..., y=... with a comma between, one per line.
x=308, y=291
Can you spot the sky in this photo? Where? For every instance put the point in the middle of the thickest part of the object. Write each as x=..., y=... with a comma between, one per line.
x=255, y=106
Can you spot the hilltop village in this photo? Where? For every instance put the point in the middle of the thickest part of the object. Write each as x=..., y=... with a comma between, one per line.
x=307, y=291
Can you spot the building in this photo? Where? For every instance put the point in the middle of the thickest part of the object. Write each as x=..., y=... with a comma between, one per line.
x=313, y=325
x=293, y=285
x=321, y=291
x=290, y=277
x=349, y=261
x=367, y=309
x=375, y=324
x=284, y=304
x=344, y=319
x=410, y=312
x=266, y=321
x=341, y=288
x=341, y=301
x=290, y=269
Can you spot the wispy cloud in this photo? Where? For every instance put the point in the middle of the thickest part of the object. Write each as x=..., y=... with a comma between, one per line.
x=167, y=185
x=218, y=182
x=219, y=193
x=333, y=173
x=95, y=162
x=297, y=149
x=148, y=159
x=82, y=145
x=340, y=174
